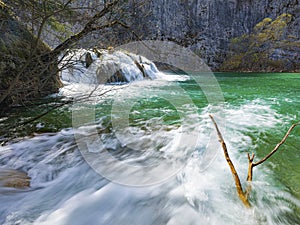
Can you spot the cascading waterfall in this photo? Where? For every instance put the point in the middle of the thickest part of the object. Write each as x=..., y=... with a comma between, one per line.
x=105, y=67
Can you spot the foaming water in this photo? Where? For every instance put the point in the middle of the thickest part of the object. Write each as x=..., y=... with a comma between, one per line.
x=103, y=66
x=66, y=190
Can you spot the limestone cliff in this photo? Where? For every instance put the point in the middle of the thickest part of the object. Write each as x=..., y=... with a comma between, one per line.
x=208, y=26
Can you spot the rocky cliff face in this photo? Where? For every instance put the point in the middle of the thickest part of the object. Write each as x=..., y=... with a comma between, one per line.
x=207, y=26
x=270, y=47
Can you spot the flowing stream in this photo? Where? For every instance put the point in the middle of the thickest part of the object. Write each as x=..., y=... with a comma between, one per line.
x=190, y=189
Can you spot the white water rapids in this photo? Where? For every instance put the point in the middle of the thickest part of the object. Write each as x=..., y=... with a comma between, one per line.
x=65, y=190
x=104, y=65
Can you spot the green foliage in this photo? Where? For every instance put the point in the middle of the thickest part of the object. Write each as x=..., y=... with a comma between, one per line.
x=239, y=40
x=239, y=44
x=233, y=63
x=262, y=25
x=2, y=4
x=64, y=29
x=251, y=52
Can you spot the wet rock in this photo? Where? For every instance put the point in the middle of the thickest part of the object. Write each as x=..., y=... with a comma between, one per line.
x=14, y=179
x=88, y=59
x=141, y=68
x=110, y=49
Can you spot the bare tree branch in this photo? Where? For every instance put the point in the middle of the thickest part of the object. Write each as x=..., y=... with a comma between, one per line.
x=87, y=29
x=235, y=175
x=253, y=164
x=116, y=22
x=244, y=196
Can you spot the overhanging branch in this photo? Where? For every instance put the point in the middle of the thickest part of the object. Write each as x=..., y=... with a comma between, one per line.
x=87, y=29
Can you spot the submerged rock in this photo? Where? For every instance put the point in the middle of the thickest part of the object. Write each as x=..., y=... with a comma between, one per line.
x=100, y=66
x=14, y=179
x=88, y=59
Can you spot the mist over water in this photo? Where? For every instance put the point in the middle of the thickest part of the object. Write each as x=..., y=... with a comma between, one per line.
x=66, y=190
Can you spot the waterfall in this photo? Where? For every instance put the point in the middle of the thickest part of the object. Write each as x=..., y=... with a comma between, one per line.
x=95, y=66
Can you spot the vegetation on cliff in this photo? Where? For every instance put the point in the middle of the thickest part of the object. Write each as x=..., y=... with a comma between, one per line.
x=270, y=47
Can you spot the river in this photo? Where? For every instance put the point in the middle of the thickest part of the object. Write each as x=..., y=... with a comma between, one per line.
x=139, y=155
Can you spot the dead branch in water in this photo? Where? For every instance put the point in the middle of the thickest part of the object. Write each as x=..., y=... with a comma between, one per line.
x=254, y=164
x=244, y=195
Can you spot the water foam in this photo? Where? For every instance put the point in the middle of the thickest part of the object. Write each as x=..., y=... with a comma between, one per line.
x=66, y=191
x=106, y=67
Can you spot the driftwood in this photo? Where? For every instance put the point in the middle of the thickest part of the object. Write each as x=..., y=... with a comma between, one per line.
x=243, y=195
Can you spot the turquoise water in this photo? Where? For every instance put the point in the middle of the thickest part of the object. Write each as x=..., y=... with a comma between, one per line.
x=141, y=125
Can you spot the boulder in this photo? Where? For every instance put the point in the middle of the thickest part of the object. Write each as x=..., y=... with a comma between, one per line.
x=88, y=59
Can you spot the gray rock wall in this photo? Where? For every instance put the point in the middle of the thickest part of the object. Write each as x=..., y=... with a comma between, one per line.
x=206, y=26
